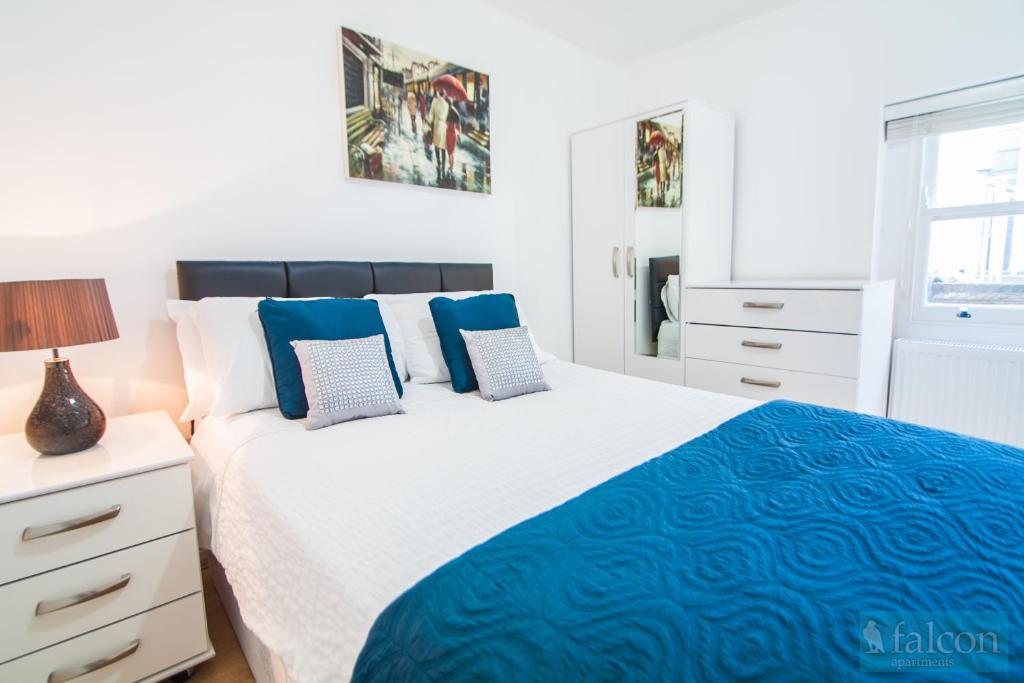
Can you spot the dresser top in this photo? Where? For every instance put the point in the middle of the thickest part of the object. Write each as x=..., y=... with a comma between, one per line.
x=788, y=284
x=132, y=444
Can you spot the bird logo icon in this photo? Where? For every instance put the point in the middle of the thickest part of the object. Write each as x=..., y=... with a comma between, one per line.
x=874, y=637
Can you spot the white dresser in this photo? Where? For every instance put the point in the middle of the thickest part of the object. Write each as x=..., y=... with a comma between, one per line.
x=99, y=567
x=820, y=341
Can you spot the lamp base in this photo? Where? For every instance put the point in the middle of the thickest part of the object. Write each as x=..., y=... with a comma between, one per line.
x=64, y=420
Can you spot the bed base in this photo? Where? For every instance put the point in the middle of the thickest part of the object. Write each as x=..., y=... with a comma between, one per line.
x=266, y=667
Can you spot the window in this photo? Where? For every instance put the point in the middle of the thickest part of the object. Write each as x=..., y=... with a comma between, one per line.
x=969, y=239
x=971, y=229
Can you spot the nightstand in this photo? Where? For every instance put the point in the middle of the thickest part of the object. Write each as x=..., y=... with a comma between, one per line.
x=99, y=567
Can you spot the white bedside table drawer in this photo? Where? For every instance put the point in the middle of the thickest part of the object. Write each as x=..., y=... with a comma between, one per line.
x=820, y=352
x=109, y=516
x=109, y=588
x=785, y=309
x=759, y=383
x=164, y=637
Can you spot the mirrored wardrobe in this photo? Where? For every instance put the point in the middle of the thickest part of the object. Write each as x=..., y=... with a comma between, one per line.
x=652, y=211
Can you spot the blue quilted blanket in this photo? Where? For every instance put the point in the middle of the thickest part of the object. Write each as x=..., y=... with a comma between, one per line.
x=792, y=543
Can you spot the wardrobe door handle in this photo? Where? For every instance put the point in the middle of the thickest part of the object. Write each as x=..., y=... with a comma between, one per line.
x=33, y=532
x=762, y=304
x=760, y=382
x=630, y=258
x=73, y=672
x=761, y=345
x=47, y=606
x=615, y=262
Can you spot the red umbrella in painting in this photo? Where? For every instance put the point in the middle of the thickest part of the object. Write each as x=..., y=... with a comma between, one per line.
x=451, y=86
x=657, y=138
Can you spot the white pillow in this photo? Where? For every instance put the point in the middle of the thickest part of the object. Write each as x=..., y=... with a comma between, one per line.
x=193, y=362
x=394, y=331
x=542, y=355
x=237, y=361
x=670, y=297
x=416, y=335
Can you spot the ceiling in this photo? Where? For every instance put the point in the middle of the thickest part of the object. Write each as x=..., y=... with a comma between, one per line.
x=624, y=32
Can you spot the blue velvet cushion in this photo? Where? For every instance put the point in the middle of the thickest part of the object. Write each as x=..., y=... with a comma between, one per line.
x=483, y=312
x=317, y=319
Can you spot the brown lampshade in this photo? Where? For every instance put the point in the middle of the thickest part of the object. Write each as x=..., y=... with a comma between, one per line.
x=51, y=314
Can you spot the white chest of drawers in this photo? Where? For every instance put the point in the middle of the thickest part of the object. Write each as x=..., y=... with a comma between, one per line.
x=99, y=568
x=824, y=342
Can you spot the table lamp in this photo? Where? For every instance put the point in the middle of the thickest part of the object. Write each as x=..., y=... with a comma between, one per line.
x=48, y=314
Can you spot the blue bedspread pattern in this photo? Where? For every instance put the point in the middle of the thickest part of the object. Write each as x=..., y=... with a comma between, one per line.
x=750, y=553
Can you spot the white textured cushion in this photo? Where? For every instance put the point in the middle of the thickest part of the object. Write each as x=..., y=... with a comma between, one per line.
x=413, y=327
x=190, y=346
x=504, y=362
x=237, y=361
x=346, y=379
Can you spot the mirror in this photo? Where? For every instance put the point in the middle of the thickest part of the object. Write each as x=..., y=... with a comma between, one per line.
x=658, y=235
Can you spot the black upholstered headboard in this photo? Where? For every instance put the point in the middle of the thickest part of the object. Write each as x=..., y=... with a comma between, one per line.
x=661, y=268
x=350, y=279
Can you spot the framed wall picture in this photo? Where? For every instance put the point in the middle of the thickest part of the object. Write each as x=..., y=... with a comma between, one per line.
x=412, y=118
x=659, y=161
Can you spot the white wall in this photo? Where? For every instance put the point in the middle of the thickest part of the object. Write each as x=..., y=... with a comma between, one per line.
x=807, y=85
x=987, y=50
x=137, y=133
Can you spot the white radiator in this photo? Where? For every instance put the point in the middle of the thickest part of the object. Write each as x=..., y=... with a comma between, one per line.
x=966, y=388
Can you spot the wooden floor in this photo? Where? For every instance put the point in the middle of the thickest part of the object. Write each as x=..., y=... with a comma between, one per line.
x=229, y=665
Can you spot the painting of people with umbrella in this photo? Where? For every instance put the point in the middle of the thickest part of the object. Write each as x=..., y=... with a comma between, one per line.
x=411, y=118
x=659, y=162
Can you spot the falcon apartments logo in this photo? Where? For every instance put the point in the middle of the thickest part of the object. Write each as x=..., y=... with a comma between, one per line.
x=933, y=641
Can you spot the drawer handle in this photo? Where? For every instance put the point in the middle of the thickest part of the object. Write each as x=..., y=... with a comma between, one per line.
x=47, y=606
x=760, y=382
x=73, y=672
x=33, y=532
x=761, y=345
x=762, y=304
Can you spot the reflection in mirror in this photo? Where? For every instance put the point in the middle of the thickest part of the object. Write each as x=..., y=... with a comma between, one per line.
x=658, y=235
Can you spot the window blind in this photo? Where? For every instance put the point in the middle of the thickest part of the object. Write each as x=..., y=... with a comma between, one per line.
x=991, y=104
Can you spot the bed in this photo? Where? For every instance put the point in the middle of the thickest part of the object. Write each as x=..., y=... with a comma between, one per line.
x=332, y=542
x=312, y=588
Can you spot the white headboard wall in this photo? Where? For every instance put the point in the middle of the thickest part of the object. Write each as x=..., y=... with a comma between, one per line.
x=137, y=134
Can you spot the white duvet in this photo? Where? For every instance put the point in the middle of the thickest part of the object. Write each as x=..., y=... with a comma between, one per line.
x=319, y=531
